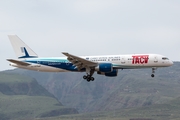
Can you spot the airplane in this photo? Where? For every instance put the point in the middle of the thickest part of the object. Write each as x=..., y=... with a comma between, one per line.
x=107, y=65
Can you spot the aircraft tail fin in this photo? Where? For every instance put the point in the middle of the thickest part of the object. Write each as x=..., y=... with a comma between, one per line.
x=20, y=48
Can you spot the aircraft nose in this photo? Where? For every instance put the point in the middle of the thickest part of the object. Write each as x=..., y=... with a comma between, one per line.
x=171, y=62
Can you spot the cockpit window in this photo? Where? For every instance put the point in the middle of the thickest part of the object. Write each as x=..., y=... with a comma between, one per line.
x=165, y=58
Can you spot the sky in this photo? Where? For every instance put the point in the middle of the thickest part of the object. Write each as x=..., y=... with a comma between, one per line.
x=91, y=27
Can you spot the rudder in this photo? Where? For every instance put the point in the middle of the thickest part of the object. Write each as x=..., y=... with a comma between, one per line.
x=20, y=48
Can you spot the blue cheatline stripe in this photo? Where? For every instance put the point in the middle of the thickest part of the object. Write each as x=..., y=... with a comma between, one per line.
x=55, y=63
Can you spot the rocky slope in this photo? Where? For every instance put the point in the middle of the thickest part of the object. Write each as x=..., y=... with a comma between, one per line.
x=22, y=97
x=131, y=88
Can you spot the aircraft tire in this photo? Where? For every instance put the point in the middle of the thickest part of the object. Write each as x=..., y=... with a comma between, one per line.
x=92, y=78
x=88, y=79
x=152, y=75
x=84, y=77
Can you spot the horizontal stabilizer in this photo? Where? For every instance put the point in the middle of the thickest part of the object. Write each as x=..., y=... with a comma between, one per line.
x=18, y=62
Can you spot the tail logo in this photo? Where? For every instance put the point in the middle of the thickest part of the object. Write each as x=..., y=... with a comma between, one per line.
x=23, y=50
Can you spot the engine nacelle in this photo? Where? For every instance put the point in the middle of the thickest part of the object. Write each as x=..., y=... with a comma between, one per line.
x=112, y=74
x=104, y=67
x=109, y=74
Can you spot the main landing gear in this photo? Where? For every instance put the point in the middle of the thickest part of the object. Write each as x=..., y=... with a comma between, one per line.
x=153, y=71
x=88, y=78
x=89, y=72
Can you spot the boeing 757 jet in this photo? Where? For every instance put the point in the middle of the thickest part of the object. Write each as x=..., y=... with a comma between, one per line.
x=107, y=65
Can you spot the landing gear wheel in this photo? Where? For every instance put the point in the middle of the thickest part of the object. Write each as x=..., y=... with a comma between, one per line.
x=152, y=75
x=92, y=78
x=88, y=79
x=84, y=77
x=89, y=72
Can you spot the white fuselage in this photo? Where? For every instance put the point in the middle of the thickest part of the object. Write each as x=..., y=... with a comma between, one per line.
x=107, y=65
x=132, y=61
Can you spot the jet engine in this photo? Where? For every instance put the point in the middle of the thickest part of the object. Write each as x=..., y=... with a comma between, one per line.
x=104, y=67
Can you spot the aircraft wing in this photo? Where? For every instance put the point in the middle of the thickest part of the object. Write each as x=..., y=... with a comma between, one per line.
x=18, y=62
x=79, y=62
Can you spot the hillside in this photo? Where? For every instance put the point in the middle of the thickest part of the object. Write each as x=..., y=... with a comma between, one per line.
x=22, y=97
x=131, y=88
x=14, y=84
x=166, y=111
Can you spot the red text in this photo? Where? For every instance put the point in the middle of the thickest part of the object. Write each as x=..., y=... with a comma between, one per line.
x=140, y=59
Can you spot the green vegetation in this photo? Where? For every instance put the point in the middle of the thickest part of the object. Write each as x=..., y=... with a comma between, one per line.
x=131, y=88
x=132, y=94
x=22, y=106
x=167, y=111
x=22, y=98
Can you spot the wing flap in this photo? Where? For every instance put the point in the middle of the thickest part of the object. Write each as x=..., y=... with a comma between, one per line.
x=18, y=62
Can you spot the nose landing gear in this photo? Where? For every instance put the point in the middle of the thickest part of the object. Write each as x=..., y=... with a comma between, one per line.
x=153, y=71
x=152, y=75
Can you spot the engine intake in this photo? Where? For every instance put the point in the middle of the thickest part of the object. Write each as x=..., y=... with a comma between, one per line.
x=105, y=67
